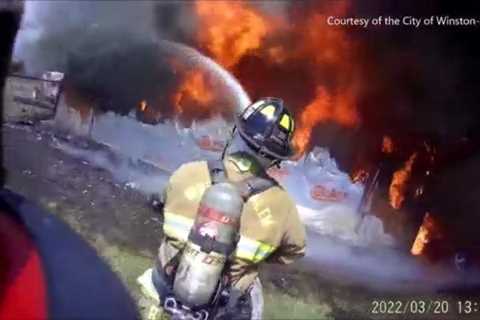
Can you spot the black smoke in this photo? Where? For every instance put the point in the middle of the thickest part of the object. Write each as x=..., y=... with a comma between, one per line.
x=117, y=71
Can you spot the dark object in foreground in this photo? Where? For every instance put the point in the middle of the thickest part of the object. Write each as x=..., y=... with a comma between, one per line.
x=10, y=18
x=50, y=272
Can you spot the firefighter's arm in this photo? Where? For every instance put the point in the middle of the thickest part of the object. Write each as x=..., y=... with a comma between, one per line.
x=292, y=246
x=169, y=246
x=172, y=235
x=173, y=240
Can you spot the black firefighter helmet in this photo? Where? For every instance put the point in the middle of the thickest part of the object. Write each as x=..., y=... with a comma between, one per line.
x=267, y=127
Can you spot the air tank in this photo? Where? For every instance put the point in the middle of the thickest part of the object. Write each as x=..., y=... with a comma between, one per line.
x=211, y=240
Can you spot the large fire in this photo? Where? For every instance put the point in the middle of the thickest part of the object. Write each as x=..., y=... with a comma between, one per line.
x=231, y=31
x=315, y=68
x=324, y=74
x=398, y=186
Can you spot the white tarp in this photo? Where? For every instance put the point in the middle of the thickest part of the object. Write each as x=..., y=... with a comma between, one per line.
x=333, y=211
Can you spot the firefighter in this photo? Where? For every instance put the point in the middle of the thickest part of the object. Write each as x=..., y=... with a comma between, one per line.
x=269, y=226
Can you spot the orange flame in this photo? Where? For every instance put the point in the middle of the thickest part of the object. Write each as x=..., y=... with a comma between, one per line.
x=360, y=175
x=194, y=94
x=387, y=145
x=323, y=108
x=398, y=185
x=321, y=42
x=148, y=114
x=277, y=54
x=327, y=46
x=427, y=231
x=143, y=105
x=230, y=29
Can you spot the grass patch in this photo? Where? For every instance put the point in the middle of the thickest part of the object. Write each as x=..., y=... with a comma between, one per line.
x=282, y=306
x=279, y=305
x=298, y=296
x=126, y=264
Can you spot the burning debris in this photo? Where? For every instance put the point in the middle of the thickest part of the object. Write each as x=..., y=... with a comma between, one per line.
x=143, y=105
x=360, y=175
x=398, y=186
x=148, y=115
x=428, y=231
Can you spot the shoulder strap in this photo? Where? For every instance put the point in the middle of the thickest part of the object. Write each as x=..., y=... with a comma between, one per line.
x=248, y=187
x=255, y=185
x=217, y=171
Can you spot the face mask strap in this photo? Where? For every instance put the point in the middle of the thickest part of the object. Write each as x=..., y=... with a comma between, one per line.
x=273, y=161
x=229, y=142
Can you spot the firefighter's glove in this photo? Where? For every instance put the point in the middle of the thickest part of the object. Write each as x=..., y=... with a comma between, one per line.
x=157, y=203
x=235, y=308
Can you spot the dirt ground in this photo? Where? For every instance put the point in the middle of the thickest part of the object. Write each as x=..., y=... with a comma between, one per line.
x=120, y=224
